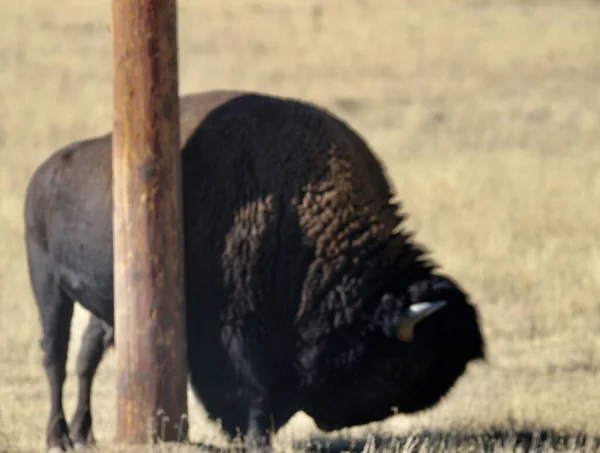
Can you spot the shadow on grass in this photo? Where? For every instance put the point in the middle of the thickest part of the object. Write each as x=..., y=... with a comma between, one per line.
x=491, y=440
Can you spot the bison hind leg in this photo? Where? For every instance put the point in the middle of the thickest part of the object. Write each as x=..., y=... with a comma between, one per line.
x=96, y=339
x=56, y=311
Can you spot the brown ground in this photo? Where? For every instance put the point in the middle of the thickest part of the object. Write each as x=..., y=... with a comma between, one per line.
x=485, y=112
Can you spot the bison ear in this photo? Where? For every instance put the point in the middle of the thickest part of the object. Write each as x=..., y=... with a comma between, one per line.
x=414, y=314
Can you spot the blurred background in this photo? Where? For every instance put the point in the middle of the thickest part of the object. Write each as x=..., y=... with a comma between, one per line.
x=485, y=113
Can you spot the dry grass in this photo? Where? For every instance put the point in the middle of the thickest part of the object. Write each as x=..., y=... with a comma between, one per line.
x=486, y=114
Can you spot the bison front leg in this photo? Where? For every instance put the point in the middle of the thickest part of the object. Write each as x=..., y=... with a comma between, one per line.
x=56, y=312
x=97, y=338
x=257, y=438
x=252, y=373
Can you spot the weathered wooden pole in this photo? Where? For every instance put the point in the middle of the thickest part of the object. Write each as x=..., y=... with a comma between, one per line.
x=147, y=224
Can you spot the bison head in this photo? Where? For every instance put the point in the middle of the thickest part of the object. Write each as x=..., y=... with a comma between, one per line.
x=403, y=356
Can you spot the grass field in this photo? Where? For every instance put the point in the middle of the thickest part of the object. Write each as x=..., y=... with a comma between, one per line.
x=486, y=114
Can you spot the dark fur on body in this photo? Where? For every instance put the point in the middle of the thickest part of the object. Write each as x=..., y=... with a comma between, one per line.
x=291, y=241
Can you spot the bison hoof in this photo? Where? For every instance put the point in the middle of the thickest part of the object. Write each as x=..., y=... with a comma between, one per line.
x=81, y=431
x=261, y=445
x=258, y=449
x=59, y=440
x=81, y=444
x=55, y=450
x=65, y=446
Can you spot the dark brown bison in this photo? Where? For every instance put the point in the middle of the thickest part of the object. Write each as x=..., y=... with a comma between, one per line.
x=301, y=291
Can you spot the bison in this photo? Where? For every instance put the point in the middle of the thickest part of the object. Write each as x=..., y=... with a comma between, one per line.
x=303, y=292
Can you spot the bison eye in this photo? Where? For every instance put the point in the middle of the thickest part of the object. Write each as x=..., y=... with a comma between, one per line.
x=414, y=314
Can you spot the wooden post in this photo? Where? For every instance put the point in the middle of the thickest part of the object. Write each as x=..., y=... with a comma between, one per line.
x=147, y=224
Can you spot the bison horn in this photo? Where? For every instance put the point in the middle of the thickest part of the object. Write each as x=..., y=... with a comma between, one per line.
x=415, y=313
